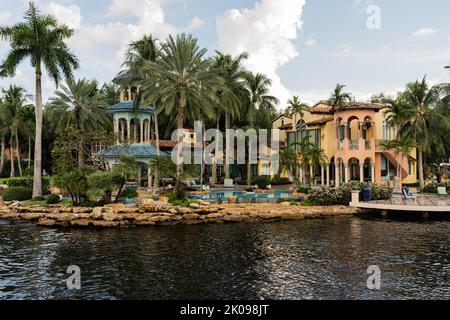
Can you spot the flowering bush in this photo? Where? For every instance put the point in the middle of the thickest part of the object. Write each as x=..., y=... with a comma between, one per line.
x=433, y=187
x=343, y=195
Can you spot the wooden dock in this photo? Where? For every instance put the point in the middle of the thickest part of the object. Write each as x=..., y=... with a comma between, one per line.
x=422, y=203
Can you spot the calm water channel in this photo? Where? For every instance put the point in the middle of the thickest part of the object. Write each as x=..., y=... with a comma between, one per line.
x=313, y=259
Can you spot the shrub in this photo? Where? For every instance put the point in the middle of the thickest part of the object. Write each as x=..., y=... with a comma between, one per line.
x=129, y=193
x=433, y=187
x=304, y=189
x=52, y=199
x=28, y=182
x=17, y=194
x=343, y=195
x=261, y=181
x=278, y=181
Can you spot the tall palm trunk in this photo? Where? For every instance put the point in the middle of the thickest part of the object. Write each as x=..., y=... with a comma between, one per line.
x=158, y=153
x=12, y=172
x=18, y=152
x=180, y=163
x=227, y=127
x=2, y=155
x=37, y=181
x=214, y=164
x=249, y=165
x=421, y=176
x=29, y=151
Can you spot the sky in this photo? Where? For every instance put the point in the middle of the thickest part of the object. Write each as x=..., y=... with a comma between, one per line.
x=304, y=46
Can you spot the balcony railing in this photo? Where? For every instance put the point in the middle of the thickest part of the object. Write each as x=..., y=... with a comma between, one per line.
x=354, y=145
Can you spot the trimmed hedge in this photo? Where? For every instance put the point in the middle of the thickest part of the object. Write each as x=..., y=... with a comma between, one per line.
x=28, y=183
x=278, y=181
x=53, y=199
x=261, y=181
x=17, y=194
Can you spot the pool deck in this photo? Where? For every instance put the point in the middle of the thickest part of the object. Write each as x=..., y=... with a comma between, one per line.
x=421, y=203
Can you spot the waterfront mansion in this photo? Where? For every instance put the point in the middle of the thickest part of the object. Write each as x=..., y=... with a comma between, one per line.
x=351, y=138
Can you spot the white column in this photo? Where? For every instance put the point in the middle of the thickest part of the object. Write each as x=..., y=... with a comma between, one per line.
x=141, y=132
x=337, y=166
x=122, y=129
x=322, y=175
x=361, y=172
x=116, y=130
x=347, y=172
x=328, y=175
x=129, y=130
x=372, y=167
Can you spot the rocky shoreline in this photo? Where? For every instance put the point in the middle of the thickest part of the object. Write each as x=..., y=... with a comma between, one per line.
x=160, y=215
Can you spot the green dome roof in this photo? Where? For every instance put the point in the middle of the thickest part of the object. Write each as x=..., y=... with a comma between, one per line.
x=129, y=106
x=134, y=150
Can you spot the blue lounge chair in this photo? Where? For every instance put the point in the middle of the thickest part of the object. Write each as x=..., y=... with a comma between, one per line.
x=406, y=194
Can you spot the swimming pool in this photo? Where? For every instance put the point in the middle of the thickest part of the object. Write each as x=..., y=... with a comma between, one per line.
x=246, y=197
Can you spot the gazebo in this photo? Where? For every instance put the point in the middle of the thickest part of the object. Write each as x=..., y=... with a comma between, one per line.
x=132, y=129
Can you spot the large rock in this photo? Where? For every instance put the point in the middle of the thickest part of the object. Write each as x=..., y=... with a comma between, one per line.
x=65, y=209
x=32, y=216
x=81, y=222
x=82, y=210
x=159, y=219
x=44, y=222
x=105, y=224
x=97, y=213
x=145, y=223
x=191, y=216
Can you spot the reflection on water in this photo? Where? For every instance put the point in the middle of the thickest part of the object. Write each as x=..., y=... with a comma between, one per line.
x=315, y=259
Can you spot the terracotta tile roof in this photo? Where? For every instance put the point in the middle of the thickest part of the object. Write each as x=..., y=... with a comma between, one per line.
x=166, y=144
x=286, y=127
x=282, y=115
x=325, y=107
x=320, y=122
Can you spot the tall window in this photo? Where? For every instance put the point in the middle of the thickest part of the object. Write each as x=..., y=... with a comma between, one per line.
x=387, y=131
x=315, y=137
x=291, y=138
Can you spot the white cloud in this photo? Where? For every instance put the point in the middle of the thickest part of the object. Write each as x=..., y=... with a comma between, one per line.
x=4, y=17
x=310, y=42
x=344, y=48
x=266, y=32
x=70, y=15
x=424, y=32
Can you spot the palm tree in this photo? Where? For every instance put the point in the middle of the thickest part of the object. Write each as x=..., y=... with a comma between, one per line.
x=80, y=107
x=303, y=156
x=403, y=146
x=397, y=113
x=231, y=90
x=316, y=156
x=28, y=127
x=41, y=39
x=184, y=83
x=15, y=99
x=125, y=169
x=339, y=97
x=3, y=133
x=427, y=121
x=337, y=100
x=289, y=164
x=257, y=94
x=296, y=107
